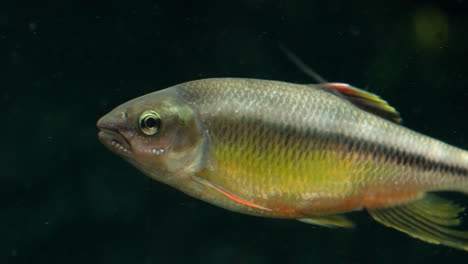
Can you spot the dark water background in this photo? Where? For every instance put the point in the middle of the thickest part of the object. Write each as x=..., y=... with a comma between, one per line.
x=67, y=199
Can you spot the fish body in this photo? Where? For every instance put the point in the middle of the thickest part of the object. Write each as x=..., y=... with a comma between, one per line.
x=307, y=152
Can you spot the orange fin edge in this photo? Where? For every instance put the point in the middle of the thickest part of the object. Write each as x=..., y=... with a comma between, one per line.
x=228, y=194
x=365, y=100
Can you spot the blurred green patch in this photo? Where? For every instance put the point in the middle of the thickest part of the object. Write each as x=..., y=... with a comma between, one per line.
x=431, y=27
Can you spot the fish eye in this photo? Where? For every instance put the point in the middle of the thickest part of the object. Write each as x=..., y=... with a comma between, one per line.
x=150, y=123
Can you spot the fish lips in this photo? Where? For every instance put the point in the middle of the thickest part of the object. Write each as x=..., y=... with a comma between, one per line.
x=114, y=141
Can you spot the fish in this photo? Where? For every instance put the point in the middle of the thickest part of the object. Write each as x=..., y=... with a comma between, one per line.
x=310, y=152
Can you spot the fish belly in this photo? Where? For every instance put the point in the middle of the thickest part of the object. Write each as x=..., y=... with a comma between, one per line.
x=299, y=177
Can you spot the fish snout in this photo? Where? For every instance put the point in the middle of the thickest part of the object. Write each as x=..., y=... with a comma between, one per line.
x=111, y=127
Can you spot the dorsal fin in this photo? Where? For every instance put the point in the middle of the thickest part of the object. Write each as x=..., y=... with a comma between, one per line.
x=364, y=100
x=367, y=101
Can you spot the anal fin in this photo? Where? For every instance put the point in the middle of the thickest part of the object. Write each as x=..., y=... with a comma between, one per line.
x=431, y=219
x=328, y=221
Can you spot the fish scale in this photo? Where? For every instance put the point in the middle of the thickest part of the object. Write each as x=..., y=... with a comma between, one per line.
x=308, y=152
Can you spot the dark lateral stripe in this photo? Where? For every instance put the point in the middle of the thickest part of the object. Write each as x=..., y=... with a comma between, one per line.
x=349, y=145
x=399, y=157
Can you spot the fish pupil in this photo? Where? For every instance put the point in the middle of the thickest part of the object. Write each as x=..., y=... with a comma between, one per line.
x=151, y=122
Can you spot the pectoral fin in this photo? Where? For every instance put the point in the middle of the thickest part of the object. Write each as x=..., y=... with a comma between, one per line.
x=430, y=219
x=227, y=193
x=328, y=221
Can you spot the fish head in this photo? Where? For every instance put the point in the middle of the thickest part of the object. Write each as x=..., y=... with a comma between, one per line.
x=158, y=133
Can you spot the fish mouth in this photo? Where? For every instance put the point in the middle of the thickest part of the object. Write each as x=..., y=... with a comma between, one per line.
x=114, y=141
